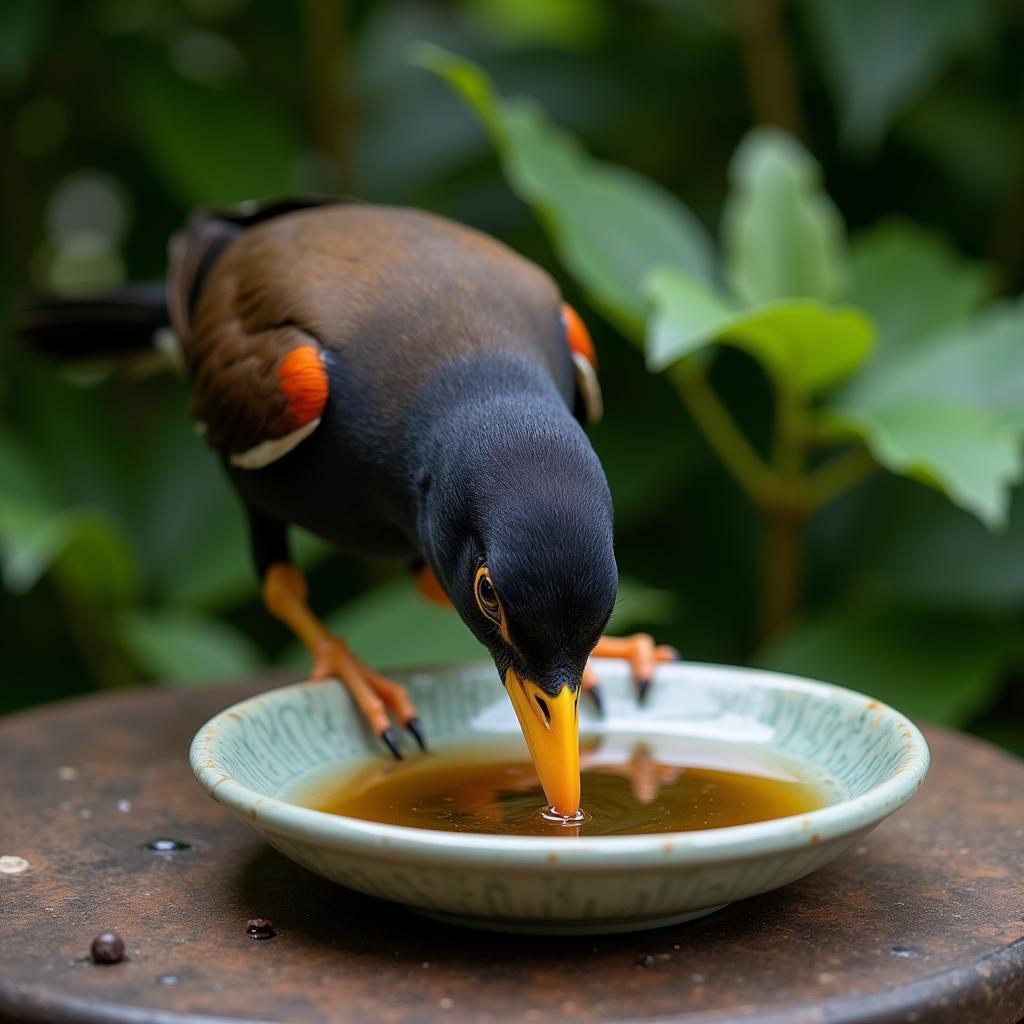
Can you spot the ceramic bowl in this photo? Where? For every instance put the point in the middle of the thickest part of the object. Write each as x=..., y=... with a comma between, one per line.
x=255, y=755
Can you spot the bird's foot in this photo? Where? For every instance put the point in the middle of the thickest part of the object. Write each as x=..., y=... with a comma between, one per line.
x=643, y=655
x=374, y=694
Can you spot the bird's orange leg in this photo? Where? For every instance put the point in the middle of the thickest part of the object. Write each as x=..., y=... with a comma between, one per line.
x=284, y=594
x=642, y=653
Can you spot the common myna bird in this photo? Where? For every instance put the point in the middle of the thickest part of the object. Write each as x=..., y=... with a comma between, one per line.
x=401, y=386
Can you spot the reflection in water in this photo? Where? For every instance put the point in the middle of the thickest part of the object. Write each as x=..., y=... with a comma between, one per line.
x=631, y=785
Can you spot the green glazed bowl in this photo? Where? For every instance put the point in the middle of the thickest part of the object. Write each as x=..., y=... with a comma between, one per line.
x=253, y=756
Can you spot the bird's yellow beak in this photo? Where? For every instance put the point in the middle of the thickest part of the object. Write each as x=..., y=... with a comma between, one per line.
x=551, y=728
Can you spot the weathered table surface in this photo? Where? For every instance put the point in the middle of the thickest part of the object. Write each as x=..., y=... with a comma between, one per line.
x=923, y=922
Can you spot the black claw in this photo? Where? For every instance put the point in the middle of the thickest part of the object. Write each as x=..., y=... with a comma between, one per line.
x=388, y=736
x=413, y=725
x=643, y=688
x=595, y=695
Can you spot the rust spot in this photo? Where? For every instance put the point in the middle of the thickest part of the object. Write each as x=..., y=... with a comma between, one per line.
x=552, y=858
x=816, y=838
x=871, y=705
x=668, y=846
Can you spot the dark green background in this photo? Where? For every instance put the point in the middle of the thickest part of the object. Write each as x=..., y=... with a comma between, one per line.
x=123, y=552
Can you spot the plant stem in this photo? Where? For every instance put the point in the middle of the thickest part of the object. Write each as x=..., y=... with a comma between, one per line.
x=769, y=68
x=781, y=579
x=837, y=476
x=738, y=455
x=784, y=492
x=324, y=26
x=785, y=514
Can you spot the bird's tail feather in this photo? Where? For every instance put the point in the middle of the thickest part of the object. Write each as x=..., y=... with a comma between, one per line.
x=88, y=327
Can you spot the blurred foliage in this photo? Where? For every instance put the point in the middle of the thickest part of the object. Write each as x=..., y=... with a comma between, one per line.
x=814, y=426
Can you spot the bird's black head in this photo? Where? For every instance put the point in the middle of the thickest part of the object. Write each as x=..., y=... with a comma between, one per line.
x=516, y=522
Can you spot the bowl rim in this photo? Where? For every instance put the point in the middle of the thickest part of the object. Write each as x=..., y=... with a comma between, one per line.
x=418, y=845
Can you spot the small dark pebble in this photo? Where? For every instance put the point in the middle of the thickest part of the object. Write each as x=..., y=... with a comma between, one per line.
x=166, y=845
x=260, y=928
x=107, y=948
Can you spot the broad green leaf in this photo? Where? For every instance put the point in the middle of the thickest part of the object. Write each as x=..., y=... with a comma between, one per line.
x=180, y=647
x=962, y=451
x=84, y=545
x=948, y=410
x=99, y=563
x=567, y=24
x=782, y=237
x=611, y=226
x=213, y=145
x=880, y=55
x=938, y=667
x=912, y=282
x=685, y=316
x=803, y=344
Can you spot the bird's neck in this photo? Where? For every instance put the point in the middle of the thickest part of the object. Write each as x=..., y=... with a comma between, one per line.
x=493, y=432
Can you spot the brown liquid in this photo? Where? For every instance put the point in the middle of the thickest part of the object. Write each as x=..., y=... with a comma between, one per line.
x=629, y=787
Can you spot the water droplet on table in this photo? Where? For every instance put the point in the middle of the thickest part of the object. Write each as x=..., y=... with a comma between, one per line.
x=164, y=845
x=10, y=865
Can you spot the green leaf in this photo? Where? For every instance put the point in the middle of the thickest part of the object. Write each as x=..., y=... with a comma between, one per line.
x=84, y=545
x=959, y=450
x=181, y=647
x=912, y=282
x=213, y=145
x=611, y=227
x=803, y=344
x=880, y=55
x=948, y=410
x=782, y=237
x=940, y=667
x=568, y=24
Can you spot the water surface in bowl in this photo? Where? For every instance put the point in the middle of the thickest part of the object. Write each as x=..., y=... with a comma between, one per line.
x=631, y=785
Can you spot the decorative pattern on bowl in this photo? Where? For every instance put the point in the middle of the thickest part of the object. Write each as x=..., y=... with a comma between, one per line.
x=254, y=756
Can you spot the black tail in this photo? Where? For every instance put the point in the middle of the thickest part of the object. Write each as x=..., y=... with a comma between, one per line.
x=95, y=326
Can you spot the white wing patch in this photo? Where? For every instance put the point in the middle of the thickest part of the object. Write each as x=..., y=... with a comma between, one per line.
x=270, y=451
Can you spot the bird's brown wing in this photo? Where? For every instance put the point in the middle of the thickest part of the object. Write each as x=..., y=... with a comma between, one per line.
x=258, y=377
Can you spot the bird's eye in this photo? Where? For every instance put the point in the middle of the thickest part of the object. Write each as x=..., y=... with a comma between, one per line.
x=487, y=596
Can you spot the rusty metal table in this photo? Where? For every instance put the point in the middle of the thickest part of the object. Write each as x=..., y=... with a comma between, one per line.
x=922, y=922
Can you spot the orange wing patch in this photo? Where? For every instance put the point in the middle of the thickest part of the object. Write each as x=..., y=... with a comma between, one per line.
x=577, y=335
x=304, y=383
x=584, y=360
